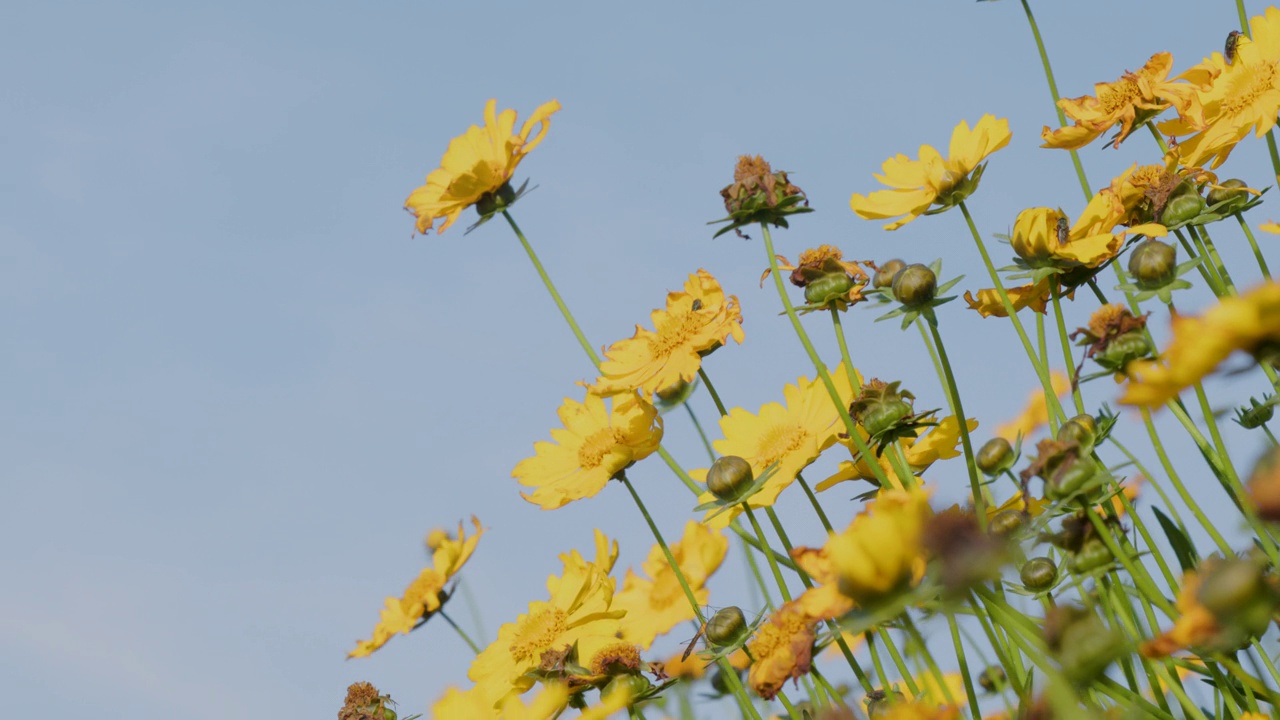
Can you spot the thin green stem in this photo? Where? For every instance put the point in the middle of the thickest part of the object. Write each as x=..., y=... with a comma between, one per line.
x=970, y=459
x=706, y=443
x=1211, y=251
x=937, y=365
x=813, y=500
x=773, y=564
x=458, y=629
x=711, y=390
x=1068, y=361
x=1191, y=504
x=1253, y=244
x=849, y=369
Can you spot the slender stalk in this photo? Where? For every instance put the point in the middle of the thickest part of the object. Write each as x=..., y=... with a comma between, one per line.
x=1068, y=362
x=813, y=500
x=711, y=390
x=458, y=629
x=937, y=365
x=1211, y=252
x=773, y=564
x=706, y=443
x=1253, y=244
x=975, y=483
x=849, y=369
x=555, y=294
x=1190, y=502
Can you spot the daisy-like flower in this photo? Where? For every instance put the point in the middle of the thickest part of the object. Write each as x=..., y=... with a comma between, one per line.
x=1238, y=96
x=696, y=321
x=1035, y=413
x=478, y=163
x=1249, y=322
x=918, y=185
x=579, y=613
x=655, y=604
x=938, y=443
x=595, y=444
x=782, y=648
x=1042, y=237
x=426, y=593
x=790, y=436
x=1128, y=102
x=1143, y=192
x=882, y=550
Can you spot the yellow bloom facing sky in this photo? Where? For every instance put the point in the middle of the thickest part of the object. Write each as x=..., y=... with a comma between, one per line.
x=938, y=443
x=479, y=161
x=1200, y=343
x=1127, y=102
x=882, y=552
x=656, y=603
x=422, y=597
x=791, y=435
x=1237, y=97
x=595, y=443
x=916, y=185
x=695, y=320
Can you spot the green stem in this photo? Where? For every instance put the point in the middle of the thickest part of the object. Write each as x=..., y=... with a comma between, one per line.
x=711, y=389
x=849, y=369
x=975, y=483
x=1187, y=500
x=458, y=629
x=1205, y=269
x=706, y=443
x=1053, y=91
x=551, y=288
x=813, y=500
x=1068, y=361
x=1253, y=243
x=937, y=365
x=1211, y=251
x=773, y=564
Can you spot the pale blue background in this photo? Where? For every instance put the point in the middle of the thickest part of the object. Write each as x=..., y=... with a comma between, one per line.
x=239, y=390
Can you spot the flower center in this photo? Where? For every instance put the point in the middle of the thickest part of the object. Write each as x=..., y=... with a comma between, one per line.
x=1255, y=81
x=600, y=443
x=677, y=331
x=1118, y=95
x=780, y=441
x=537, y=633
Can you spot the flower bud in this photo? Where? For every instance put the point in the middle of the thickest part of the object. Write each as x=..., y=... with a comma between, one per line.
x=636, y=685
x=993, y=678
x=1038, y=574
x=1255, y=414
x=495, y=201
x=1005, y=523
x=1181, y=208
x=1153, y=264
x=915, y=285
x=884, y=276
x=1083, y=645
x=1236, y=592
x=1067, y=481
x=1124, y=349
x=1080, y=430
x=881, y=405
x=1228, y=190
x=995, y=456
x=729, y=477
x=1093, y=555
x=827, y=288
x=727, y=627
x=720, y=684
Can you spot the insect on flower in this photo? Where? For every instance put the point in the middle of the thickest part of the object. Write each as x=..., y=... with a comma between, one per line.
x=1229, y=52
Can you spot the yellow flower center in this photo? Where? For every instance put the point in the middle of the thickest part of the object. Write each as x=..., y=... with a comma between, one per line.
x=1254, y=81
x=780, y=441
x=594, y=449
x=776, y=634
x=1118, y=95
x=676, y=332
x=536, y=634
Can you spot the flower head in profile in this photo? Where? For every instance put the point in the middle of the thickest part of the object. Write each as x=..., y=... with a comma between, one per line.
x=595, y=444
x=656, y=603
x=882, y=551
x=426, y=594
x=1042, y=237
x=478, y=163
x=1238, y=94
x=988, y=303
x=1248, y=322
x=918, y=185
x=578, y=615
x=1128, y=102
x=829, y=281
x=790, y=436
x=695, y=322
x=782, y=648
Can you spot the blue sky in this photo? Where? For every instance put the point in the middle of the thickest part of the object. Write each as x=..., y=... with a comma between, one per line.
x=240, y=390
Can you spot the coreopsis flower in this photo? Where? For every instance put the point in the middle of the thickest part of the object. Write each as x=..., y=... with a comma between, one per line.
x=1042, y=237
x=882, y=552
x=782, y=649
x=790, y=436
x=478, y=163
x=1128, y=102
x=595, y=444
x=918, y=185
x=1035, y=413
x=1143, y=192
x=1195, y=626
x=1271, y=227
x=695, y=322
x=656, y=603
x=988, y=302
x=578, y=615
x=823, y=601
x=938, y=443
x=1238, y=95
x=918, y=711
x=425, y=594
x=1249, y=322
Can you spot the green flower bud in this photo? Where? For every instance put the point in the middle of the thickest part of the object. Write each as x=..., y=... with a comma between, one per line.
x=884, y=276
x=1038, y=574
x=1124, y=349
x=1181, y=208
x=1255, y=414
x=827, y=288
x=729, y=477
x=720, y=684
x=1153, y=264
x=727, y=627
x=915, y=285
x=995, y=456
x=883, y=415
x=1228, y=190
x=1081, y=430
x=1092, y=556
x=1065, y=483
x=636, y=685
x=495, y=201
x=993, y=678
x=1005, y=523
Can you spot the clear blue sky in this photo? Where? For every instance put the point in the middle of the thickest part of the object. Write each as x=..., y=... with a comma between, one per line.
x=238, y=390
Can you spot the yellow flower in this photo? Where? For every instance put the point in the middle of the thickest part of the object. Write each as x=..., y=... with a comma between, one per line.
x=1041, y=235
x=1194, y=626
x=595, y=444
x=656, y=605
x=478, y=162
x=1237, y=96
x=695, y=322
x=579, y=612
x=472, y=704
x=882, y=550
x=1036, y=413
x=791, y=435
x=425, y=594
x=938, y=443
x=989, y=304
x=1249, y=322
x=823, y=601
x=1130, y=101
x=1270, y=227
x=1032, y=506
x=919, y=711
x=919, y=184
x=782, y=648
x=1144, y=191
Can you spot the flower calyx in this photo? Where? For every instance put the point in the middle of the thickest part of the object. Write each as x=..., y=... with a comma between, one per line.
x=917, y=291
x=759, y=194
x=887, y=413
x=1154, y=271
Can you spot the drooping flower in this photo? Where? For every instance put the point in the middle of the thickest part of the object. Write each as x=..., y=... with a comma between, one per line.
x=1128, y=102
x=790, y=436
x=882, y=551
x=1042, y=237
x=938, y=443
x=579, y=614
x=595, y=444
x=782, y=648
x=425, y=594
x=1237, y=96
x=656, y=603
x=823, y=601
x=479, y=162
x=988, y=302
x=1249, y=322
x=695, y=322
x=918, y=185
x=1036, y=412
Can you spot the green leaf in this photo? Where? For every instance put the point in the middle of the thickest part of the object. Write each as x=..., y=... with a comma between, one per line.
x=1178, y=540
